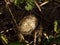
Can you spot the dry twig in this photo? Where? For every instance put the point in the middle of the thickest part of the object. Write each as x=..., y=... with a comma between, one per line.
x=37, y=6
x=14, y=21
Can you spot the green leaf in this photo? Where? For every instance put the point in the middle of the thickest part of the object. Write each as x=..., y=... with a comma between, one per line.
x=30, y=5
x=4, y=38
x=17, y=43
x=57, y=26
x=18, y=2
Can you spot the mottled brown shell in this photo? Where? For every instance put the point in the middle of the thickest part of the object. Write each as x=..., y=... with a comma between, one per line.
x=28, y=24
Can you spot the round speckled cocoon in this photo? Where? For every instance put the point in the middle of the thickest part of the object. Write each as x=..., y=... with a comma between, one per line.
x=28, y=24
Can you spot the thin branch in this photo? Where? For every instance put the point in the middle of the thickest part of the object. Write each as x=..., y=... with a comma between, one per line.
x=44, y=3
x=37, y=6
x=14, y=21
x=11, y=13
x=45, y=35
x=42, y=14
x=35, y=38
